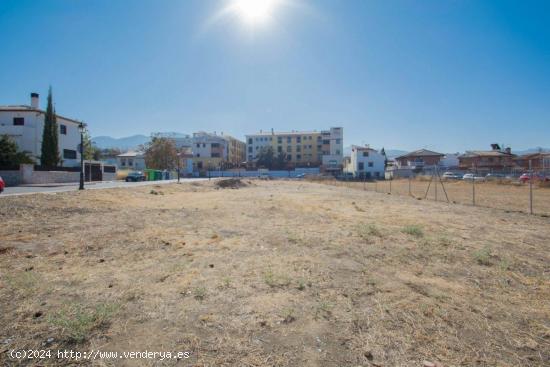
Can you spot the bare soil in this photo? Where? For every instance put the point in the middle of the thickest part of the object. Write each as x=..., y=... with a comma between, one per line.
x=273, y=273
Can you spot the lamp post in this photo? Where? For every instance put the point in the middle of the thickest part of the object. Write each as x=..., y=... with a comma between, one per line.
x=81, y=128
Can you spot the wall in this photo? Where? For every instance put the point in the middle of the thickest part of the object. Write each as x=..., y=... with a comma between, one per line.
x=11, y=178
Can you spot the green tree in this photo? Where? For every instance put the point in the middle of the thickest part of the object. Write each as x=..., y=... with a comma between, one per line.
x=50, y=138
x=91, y=151
x=281, y=161
x=161, y=153
x=9, y=156
x=383, y=152
x=266, y=158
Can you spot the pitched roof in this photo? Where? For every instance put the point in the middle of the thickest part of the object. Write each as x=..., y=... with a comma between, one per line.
x=421, y=153
x=130, y=154
x=25, y=108
x=485, y=153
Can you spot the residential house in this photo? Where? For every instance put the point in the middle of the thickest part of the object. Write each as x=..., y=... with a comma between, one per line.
x=449, y=161
x=366, y=162
x=496, y=159
x=419, y=159
x=131, y=161
x=301, y=148
x=25, y=124
x=539, y=161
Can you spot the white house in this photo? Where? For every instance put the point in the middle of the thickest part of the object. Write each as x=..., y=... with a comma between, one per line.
x=131, y=160
x=25, y=124
x=366, y=162
x=449, y=160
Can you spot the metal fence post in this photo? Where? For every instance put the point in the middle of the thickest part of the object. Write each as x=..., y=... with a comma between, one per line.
x=530, y=187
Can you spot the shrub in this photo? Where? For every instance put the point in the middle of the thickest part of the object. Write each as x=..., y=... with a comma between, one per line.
x=413, y=230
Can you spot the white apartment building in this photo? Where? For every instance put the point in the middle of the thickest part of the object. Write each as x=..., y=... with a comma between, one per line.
x=366, y=162
x=25, y=125
x=131, y=160
x=333, y=157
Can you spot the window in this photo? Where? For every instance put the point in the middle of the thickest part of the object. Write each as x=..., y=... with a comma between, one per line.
x=319, y=147
x=249, y=149
x=215, y=145
x=279, y=149
x=298, y=157
x=298, y=139
x=337, y=141
x=371, y=164
x=361, y=166
x=18, y=121
x=215, y=155
x=298, y=148
x=69, y=154
x=326, y=142
x=123, y=162
x=130, y=162
x=249, y=140
x=203, y=145
x=337, y=152
x=289, y=149
x=198, y=155
x=288, y=139
x=198, y=145
x=318, y=137
x=279, y=140
x=109, y=169
x=63, y=129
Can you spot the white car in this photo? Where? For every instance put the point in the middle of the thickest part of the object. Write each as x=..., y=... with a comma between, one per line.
x=450, y=176
x=471, y=176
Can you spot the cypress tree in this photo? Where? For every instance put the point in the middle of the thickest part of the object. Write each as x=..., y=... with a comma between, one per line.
x=50, y=138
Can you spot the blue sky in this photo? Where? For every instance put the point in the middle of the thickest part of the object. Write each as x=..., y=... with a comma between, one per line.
x=444, y=75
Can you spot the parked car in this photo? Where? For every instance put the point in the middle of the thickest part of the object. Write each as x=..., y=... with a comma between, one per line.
x=301, y=175
x=495, y=176
x=536, y=177
x=2, y=184
x=451, y=176
x=135, y=176
x=472, y=177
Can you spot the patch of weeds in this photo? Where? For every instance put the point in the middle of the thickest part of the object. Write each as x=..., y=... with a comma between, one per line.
x=77, y=322
x=200, y=293
x=301, y=284
x=275, y=280
x=226, y=282
x=504, y=265
x=445, y=241
x=23, y=282
x=288, y=316
x=292, y=238
x=413, y=230
x=324, y=309
x=368, y=231
x=483, y=256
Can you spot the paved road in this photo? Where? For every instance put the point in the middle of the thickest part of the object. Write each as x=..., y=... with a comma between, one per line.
x=24, y=190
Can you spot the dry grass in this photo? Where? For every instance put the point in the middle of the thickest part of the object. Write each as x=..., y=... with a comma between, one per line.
x=276, y=273
x=491, y=194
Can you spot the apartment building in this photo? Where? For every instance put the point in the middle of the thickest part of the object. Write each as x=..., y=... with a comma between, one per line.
x=212, y=151
x=25, y=124
x=300, y=148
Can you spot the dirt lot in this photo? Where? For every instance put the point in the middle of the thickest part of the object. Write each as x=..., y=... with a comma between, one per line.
x=505, y=196
x=273, y=273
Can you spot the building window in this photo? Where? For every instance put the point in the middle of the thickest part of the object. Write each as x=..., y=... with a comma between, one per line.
x=365, y=154
x=298, y=148
x=130, y=162
x=249, y=140
x=298, y=157
x=123, y=162
x=215, y=145
x=361, y=166
x=289, y=149
x=18, y=121
x=63, y=129
x=279, y=140
x=279, y=149
x=249, y=149
x=337, y=141
x=198, y=145
x=69, y=154
x=298, y=139
x=326, y=142
x=337, y=152
x=288, y=139
x=203, y=145
x=371, y=164
x=215, y=155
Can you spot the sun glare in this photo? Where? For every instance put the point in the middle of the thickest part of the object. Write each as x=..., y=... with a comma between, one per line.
x=254, y=11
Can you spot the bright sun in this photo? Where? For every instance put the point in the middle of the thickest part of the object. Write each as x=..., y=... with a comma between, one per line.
x=254, y=11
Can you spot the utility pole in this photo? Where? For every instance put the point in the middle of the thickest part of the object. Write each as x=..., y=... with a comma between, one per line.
x=530, y=187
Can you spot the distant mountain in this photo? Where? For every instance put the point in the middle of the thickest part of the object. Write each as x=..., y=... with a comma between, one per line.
x=130, y=142
x=530, y=151
x=390, y=153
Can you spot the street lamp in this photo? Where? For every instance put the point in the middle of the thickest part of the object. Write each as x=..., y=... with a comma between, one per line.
x=81, y=129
